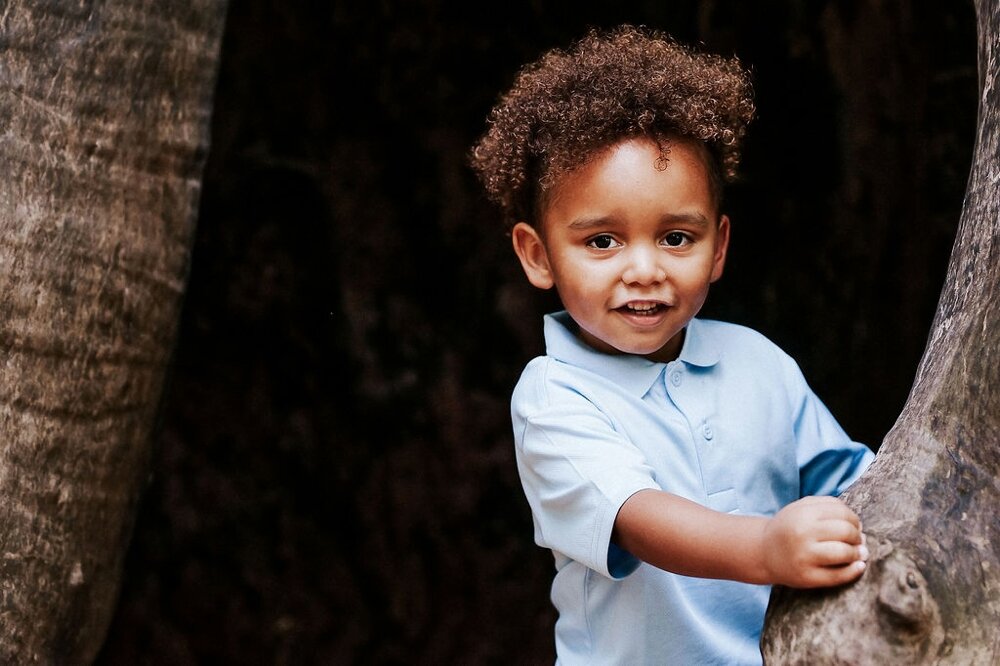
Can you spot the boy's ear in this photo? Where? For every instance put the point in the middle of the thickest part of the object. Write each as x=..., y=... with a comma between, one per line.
x=721, y=246
x=530, y=249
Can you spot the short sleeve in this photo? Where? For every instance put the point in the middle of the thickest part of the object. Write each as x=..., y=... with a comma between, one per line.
x=577, y=470
x=829, y=461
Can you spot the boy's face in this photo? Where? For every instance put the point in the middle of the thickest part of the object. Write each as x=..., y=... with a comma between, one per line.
x=631, y=249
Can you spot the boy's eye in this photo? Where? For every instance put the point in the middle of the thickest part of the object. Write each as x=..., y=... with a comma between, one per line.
x=676, y=239
x=602, y=242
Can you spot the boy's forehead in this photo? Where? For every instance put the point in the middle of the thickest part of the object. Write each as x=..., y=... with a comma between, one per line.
x=554, y=182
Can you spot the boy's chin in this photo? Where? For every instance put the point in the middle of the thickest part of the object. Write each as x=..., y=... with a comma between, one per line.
x=649, y=350
x=662, y=352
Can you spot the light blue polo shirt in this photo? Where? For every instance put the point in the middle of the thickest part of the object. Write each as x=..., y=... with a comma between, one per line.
x=730, y=424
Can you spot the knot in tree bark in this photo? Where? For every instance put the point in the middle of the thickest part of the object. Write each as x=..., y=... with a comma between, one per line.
x=907, y=611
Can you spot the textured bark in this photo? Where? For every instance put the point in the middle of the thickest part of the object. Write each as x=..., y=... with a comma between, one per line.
x=104, y=110
x=930, y=501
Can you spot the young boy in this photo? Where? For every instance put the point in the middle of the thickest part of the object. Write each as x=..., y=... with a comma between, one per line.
x=663, y=456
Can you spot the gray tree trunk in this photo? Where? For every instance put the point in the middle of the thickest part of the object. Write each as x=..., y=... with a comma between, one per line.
x=104, y=119
x=931, y=501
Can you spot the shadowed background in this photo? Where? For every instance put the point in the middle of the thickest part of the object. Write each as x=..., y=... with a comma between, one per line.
x=333, y=476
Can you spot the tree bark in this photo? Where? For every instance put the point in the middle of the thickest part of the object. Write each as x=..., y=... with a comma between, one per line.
x=104, y=119
x=930, y=502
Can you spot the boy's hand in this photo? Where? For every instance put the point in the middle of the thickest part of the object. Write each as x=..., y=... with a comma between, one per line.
x=814, y=542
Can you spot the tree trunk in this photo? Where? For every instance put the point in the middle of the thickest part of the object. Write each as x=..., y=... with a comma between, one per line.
x=930, y=502
x=104, y=118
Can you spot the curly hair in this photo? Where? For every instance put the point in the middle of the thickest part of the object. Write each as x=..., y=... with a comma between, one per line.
x=609, y=86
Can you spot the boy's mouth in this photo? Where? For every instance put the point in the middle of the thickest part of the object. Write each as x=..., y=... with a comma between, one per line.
x=642, y=309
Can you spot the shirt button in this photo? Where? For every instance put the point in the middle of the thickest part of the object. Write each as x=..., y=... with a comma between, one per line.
x=675, y=378
x=707, y=431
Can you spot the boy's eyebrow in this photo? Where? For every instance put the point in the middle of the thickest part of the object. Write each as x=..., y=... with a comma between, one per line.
x=687, y=218
x=585, y=223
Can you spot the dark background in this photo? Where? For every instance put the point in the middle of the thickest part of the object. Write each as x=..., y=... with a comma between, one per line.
x=333, y=476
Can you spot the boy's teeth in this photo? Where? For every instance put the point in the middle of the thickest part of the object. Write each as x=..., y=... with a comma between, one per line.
x=641, y=308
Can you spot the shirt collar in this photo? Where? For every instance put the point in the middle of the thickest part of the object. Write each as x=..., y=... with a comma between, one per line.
x=634, y=373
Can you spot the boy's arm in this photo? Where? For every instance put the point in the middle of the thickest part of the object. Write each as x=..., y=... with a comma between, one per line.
x=814, y=542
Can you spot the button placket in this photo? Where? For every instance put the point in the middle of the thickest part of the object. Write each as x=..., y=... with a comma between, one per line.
x=714, y=462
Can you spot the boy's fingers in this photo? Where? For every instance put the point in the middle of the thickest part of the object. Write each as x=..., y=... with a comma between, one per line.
x=840, y=511
x=835, y=575
x=846, y=573
x=836, y=553
x=841, y=530
x=830, y=507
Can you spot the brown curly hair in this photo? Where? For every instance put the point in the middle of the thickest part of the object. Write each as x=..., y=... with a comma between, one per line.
x=609, y=86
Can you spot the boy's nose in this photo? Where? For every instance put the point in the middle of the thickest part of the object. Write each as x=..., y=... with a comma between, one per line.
x=643, y=268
